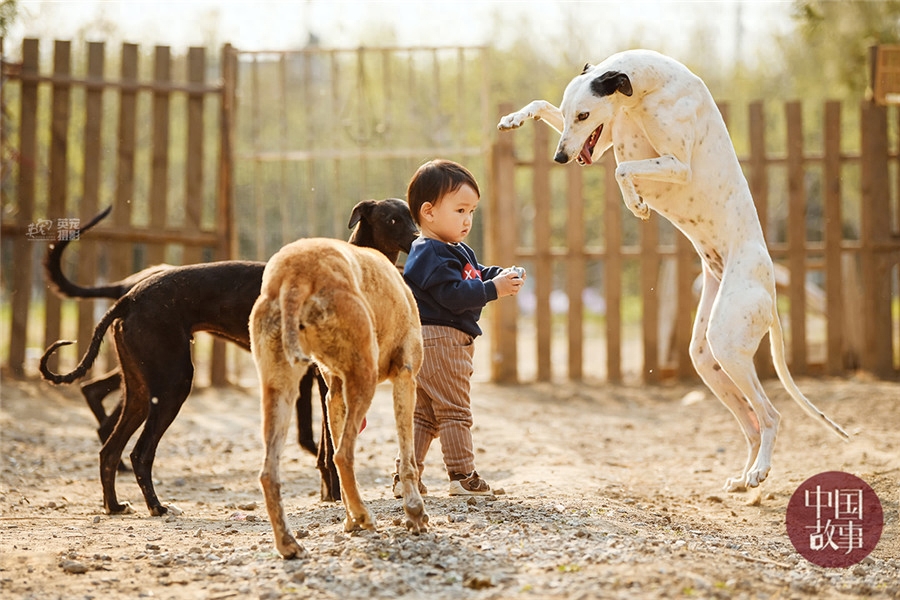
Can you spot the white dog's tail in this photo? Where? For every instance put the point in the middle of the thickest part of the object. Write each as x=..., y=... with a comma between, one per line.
x=291, y=298
x=776, y=340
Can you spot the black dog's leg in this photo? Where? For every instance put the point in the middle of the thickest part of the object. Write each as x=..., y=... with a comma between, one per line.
x=94, y=392
x=304, y=412
x=331, y=483
x=171, y=394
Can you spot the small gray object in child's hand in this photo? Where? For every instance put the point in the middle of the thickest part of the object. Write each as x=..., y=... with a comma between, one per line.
x=520, y=271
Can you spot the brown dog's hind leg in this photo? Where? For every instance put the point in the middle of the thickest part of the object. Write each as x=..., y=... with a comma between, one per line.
x=277, y=403
x=348, y=403
x=404, y=391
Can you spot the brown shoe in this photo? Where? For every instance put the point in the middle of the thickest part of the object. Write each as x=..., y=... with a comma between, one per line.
x=468, y=485
x=397, y=487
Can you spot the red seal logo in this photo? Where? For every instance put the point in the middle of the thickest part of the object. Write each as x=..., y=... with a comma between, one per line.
x=834, y=519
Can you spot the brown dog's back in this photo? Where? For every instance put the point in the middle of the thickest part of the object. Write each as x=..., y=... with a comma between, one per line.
x=324, y=286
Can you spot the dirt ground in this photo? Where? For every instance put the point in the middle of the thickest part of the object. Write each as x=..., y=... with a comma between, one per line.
x=608, y=492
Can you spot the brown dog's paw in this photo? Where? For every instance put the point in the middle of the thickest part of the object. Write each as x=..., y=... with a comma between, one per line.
x=290, y=549
x=419, y=525
x=361, y=521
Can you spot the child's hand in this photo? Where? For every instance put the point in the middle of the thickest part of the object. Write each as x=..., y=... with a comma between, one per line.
x=508, y=282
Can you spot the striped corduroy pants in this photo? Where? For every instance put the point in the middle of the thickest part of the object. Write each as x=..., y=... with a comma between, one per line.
x=443, y=406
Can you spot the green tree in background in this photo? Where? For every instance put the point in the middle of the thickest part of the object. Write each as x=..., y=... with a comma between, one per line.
x=8, y=11
x=828, y=54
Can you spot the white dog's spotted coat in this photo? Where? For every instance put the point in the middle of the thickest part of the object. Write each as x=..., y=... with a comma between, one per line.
x=674, y=156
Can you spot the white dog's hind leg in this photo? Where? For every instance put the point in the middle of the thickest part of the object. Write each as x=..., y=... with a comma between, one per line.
x=537, y=109
x=719, y=382
x=741, y=316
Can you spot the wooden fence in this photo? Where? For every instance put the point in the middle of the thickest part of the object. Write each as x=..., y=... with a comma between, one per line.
x=545, y=204
x=64, y=160
x=79, y=138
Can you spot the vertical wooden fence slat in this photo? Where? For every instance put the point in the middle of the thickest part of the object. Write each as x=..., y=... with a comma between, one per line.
x=193, y=215
x=121, y=256
x=576, y=266
x=287, y=221
x=543, y=282
x=834, y=292
x=685, y=258
x=121, y=253
x=337, y=175
x=58, y=175
x=649, y=298
x=159, y=169
x=759, y=188
x=224, y=193
x=501, y=243
x=255, y=127
x=22, y=249
x=796, y=236
x=877, y=355
x=612, y=271
x=90, y=201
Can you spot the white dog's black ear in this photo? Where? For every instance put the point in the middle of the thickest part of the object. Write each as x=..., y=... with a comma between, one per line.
x=610, y=83
x=587, y=67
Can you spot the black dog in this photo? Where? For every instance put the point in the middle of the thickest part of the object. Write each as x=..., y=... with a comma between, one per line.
x=153, y=322
x=96, y=390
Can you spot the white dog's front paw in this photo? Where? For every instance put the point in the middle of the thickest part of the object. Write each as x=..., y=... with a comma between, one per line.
x=513, y=120
x=642, y=211
x=639, y=209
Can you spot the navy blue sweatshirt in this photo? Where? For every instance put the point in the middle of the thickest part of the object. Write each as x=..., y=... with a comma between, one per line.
x=449, y=285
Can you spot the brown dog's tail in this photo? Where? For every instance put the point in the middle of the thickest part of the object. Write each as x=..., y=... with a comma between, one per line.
x=116, y=311
x=62, y=285
x=292, y=296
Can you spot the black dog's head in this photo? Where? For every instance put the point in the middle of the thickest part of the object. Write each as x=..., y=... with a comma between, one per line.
x=385, y=225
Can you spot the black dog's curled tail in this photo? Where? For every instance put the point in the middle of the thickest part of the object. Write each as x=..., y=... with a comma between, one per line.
x=46, y=373
x=116, y=311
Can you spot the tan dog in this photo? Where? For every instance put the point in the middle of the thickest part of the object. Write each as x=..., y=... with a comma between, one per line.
x=347, y=309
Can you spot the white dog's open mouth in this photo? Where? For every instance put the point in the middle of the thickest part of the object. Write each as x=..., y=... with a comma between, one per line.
x=584, y=157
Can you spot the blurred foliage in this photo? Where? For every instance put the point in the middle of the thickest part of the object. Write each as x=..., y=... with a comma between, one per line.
x=8, y=11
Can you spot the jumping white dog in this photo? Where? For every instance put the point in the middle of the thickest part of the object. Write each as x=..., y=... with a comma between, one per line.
x=674, y=156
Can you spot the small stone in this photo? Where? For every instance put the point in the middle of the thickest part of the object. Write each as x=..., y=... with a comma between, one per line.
x=73, y=566
x=478, y=582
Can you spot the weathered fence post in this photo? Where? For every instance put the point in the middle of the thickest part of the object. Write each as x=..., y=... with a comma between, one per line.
x=796, y=238
x=575, y=270
x=877, y=355
x=90, y=200
x=759, y=188
x=543, y=261
x=22, y=248
x=501, y=224
x=834, y=238
x=612, y=270
x=58, y=174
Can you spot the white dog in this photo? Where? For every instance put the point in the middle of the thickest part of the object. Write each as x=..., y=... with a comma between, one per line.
x=674, y=156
